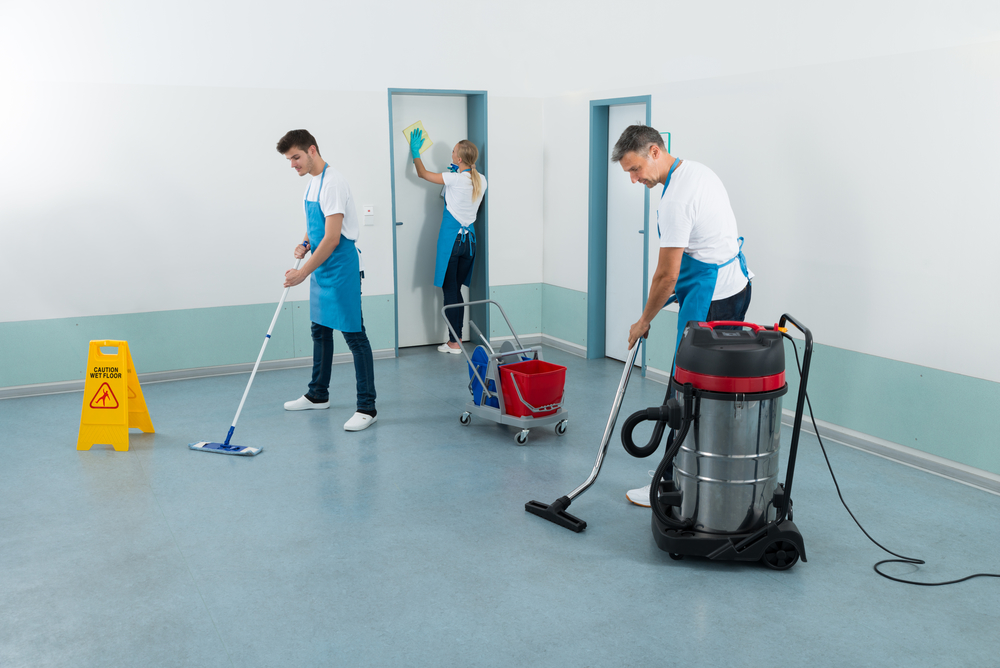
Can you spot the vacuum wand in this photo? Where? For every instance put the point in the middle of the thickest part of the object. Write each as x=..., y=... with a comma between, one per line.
x=556, y=511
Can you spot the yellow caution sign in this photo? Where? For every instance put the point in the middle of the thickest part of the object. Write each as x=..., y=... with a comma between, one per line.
x=112, y=398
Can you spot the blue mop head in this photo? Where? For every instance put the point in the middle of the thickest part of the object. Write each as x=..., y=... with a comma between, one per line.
x=223, y=449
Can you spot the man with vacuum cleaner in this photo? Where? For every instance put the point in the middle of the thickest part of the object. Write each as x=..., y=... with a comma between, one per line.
x=701, y=257
x=335, y=278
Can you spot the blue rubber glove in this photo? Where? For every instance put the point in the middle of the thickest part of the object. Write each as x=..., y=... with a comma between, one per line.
x=416, y=141
x=453, y=168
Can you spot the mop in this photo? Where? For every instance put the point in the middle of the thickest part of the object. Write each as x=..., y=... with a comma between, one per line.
x=244, y=450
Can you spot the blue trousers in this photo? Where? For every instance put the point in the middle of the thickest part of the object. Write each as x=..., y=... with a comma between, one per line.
x=364, y=366
x=731, y=308
x=462, y=254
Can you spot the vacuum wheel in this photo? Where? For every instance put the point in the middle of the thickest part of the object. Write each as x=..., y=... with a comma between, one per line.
x=675, y=556
x=561, y=426
x=465, y=418
x=780, y=555
x=522, y=437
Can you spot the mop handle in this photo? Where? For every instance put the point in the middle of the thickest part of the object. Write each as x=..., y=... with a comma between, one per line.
x=267, y=337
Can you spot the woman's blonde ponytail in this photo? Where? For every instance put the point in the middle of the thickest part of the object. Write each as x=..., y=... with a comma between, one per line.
x=468, y=154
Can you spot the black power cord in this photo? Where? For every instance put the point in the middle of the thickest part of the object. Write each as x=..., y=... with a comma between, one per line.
x=901, y=559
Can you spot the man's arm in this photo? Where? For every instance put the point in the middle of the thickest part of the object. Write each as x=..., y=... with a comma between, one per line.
x=331, y=239
x=422, y=172
x=668, y=268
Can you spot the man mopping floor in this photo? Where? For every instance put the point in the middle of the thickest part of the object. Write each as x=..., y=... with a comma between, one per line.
x=335, y=278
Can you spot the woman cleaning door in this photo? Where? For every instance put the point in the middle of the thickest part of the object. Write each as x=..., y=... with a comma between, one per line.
x=464, y=188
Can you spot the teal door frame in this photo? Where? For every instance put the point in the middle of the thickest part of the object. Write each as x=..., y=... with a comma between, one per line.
x=478, y=134
x=597, y=235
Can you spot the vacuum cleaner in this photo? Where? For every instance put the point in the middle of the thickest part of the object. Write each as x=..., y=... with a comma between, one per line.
x=716, y=493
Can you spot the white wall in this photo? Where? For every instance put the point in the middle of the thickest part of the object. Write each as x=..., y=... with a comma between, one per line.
x=515, y=187
x=566, y=177
x=866, y=191
x=138, y=170
x=120, y=199
x=515, y=48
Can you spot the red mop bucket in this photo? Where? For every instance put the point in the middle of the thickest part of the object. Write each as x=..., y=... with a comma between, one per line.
x=533, y=382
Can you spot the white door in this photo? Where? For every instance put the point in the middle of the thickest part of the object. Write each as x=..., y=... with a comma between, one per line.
x=419, y=206
x=626, y=242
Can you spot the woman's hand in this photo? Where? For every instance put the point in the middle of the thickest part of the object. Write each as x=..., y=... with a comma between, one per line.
x=416, y=141
x=300, y=250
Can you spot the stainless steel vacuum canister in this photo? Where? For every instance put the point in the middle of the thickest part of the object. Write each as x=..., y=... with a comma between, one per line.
x=727, y=467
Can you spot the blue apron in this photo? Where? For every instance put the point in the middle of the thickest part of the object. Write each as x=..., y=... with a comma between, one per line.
x=335, y=285
x=696, y=281
x=451, y=228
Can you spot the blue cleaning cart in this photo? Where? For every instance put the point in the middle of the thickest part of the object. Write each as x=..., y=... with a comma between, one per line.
x=489, y=382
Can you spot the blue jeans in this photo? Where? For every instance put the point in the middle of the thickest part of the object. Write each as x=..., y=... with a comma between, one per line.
x=462, y=255
x=731, y=308
x=364, y=366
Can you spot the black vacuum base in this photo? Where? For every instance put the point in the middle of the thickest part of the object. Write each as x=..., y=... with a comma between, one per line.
x=556, y=513
x=777, y=546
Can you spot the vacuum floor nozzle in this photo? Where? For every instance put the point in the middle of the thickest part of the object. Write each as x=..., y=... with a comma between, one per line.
x=556, y=513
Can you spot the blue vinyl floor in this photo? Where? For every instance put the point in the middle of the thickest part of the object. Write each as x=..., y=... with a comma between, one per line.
x=408, y=544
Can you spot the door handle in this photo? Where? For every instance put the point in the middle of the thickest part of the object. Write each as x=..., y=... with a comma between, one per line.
x=398, y=223
x=642, y=231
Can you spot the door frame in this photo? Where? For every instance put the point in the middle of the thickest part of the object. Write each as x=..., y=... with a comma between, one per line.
x=478, y=134
x=597, y=217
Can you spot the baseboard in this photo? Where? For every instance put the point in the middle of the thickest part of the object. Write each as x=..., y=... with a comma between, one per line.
x=657, y=375
x=525, y=339
x=184, y=374
x=543, y=340
x=565, y=346
x=946, y=468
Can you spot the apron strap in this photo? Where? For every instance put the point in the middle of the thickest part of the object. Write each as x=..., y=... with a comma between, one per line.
x=666, y=185
x=669, y=174
x=320, y=191
x=742, y=258
x=468, y=231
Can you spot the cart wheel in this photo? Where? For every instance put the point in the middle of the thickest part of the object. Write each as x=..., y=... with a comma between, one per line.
x=561, y=427
x=465, y=418
x=522, y=437
x=780, y=555
x=675, y=556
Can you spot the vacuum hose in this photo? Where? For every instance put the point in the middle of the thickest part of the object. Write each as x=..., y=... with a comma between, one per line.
x=678, y=418
x=669, y=414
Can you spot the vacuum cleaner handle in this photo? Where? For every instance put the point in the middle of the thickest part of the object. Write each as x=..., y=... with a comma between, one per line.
x=731, y=323
x=799, y=408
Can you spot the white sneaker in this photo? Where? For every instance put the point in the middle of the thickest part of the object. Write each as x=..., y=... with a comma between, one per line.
x=640, y=496
x=359, y=421
x=304, y=404
x=445, y=348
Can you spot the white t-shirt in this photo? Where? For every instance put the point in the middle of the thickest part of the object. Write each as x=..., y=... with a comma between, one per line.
x=695, y=214
x=458, y=196
x=335, y=198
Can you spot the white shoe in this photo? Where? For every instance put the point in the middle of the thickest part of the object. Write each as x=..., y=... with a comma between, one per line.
x=359, y=421
x=303, y=404
x=445, y=348
x=640, y=496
